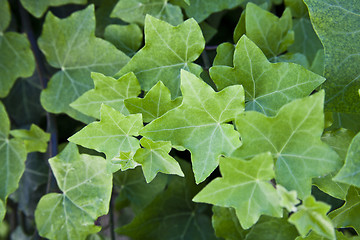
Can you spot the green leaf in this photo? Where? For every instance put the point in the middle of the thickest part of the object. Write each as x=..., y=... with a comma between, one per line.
x=337, y=25
x=297, y=7
x=155, y=103
x=313, y=236
x=224, y=55
x=112, y=135
x=226, y=224
x=127, y=38
x=167, y=50
x=126, y=160
x=268, y=86
x=198, y=124
x=5, y=15
x=35, y=139
x=154, y=158
x=134, y=11
x=273, y=35
x=293, y=137
x=2, y=210
x=244, y=186
x=311, y=215
x=348, y=214
x=70, y=45
x=86, y=190
x=350, y=172
x=288, y=199
x=107, y=91
x=38, y=7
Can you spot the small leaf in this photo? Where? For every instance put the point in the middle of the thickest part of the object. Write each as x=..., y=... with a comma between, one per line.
x=226, y=224
x=288, y=199
x=244, y=186
x=86, y=190
x=155, y=103
x=35, y=139
x=311, y=215
x=224, y=55
x=107, y=91
x=126, y=160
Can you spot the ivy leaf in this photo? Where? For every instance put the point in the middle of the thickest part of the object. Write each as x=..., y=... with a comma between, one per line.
x=126, y=160
x=16, y=58
x=337, y=25
x=226, y=224
x=70, y=45
x=112, y=135
x=35, y=139
x=134, y=11
x=224, y=55
x=311, y=215
x=288, y=199
x=2, y=210
x=301, y=121
x=155, y=103
x=198, y=124
x=245, y=188
x=107, y=91
x=154, y=158
x=272, y=34
x=167, y=50
x=350, y=172
x=38, y=7
x=86, y=190
x=348, y=214
x=313, y=236
x=297, y=7
x=268, y=86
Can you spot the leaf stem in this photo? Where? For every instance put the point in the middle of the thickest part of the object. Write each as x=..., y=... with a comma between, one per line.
x=211, y=48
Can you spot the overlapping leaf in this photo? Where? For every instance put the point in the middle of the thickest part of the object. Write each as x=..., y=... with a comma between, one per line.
x=288, y=199
x=198, y=124
x=86, y=190
x=107, y=91
x=70, y=45
x=226, y=224
x=337, y=23
x=268, y=86
x=167, y=50
x=293, y=137
x=35, y=139
x=245, y=187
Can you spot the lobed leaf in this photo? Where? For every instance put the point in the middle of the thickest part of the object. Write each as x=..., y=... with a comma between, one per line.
x=35, y=139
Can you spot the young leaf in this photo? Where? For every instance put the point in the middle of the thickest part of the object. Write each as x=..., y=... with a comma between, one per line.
x=35, y=139
x=112, y=135
x=341, y=44
x=86, y=190
x=126, y=160
x=134, y=11
x=155, y=103
x=245, y=187
x=311, y=215
x=70, y=45
x=268, y=86
x=293, y=137
x=108, y=91
x=226, y=224
x=198, y=124
x=154, y=158
x=224, y=55
x=288, y=199
x=167, y=50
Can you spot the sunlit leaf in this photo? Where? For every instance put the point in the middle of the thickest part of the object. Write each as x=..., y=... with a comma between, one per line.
x=35, y=139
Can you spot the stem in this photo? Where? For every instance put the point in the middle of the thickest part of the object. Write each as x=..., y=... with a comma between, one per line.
x=211, y=48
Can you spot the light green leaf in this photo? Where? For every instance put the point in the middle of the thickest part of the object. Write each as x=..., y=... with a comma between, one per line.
x=337, y=25
x=311, y=215
x=273, y=35
x=268, y=86
x=2, y=210
x=224, y=55
x=244, y=186
x=350, y=172
x=226, y=224
x=155, y=103
x=134, y=11
x=126, y=160
x=293, y=137
x=70, y=45
x=297, y=7
x=35, y=139
x=86, y=190
x=198, y=124
x=167, y=50
x=348, y=214
x=112, y=135
x=313, y=236
x=38, y=7
x=288, y=199
x=154, y=158
x=127, y=38
x=107, y=91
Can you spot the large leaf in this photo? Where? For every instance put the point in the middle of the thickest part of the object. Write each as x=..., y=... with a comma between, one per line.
x=16, y=58
x=86, y=190
x=337, y=23
x=198, y=124
x=226, y=224
x=244, y=186
x=167, y=50
x=70, y=45
x=134, y=11
x=35, y=138
x=109, y=91
x=293, y=137
x=268, y=86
